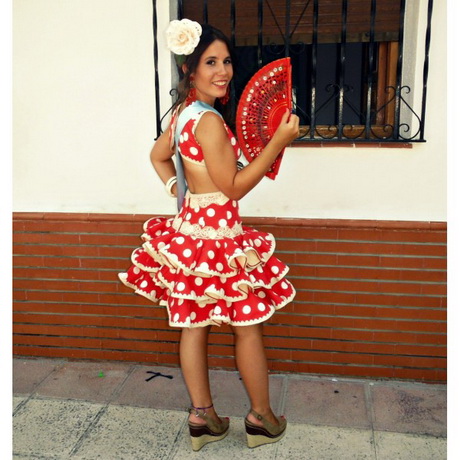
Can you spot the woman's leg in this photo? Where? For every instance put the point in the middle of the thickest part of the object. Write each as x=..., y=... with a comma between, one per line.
x=194, y=365
x=252, y=366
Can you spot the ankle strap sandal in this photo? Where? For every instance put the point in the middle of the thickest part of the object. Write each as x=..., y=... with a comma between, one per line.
x=202, y=434
x=267, y=433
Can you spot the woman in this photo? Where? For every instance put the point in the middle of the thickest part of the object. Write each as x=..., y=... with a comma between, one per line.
x=203, y=264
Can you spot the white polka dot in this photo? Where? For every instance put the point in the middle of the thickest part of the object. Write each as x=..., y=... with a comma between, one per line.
x=201, y=221
x=219, y=266
x=211, y=254
x=233, y=141
x=261, y=306
x=193, y=150
x=181, y=138
x=222, y=222
x=188, y=216
x=284, y=285
x=211, y=212
x=260, y=269
x=275, y=270
x=180, y=301
x=187, y=252
x=197, y=209
x=203, y=266
x=180, y=240
x=180, y=286
x=258, y=243
x=217, y=245
x=223, y=279
x=137, y=270
x=229, y=215
x=186, y=136
x=217, y=310
x=262, y=294
x=144, y=284
x=162, y=244
x=198, y=281
x=193, y=316
x=235, y=286
x=158, y=233
x=200, y=243
x=176, y=317
x=234, y=203
x=246, y=309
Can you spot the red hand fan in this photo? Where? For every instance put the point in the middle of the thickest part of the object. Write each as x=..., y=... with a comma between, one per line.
x=262, y=104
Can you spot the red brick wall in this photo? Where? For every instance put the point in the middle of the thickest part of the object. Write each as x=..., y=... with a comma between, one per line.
x=371, y=296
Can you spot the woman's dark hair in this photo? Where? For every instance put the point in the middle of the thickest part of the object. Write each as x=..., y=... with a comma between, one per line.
x=209, y=34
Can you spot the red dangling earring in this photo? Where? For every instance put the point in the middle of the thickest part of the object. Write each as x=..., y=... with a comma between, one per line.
x=224, y=100
x=191, y=96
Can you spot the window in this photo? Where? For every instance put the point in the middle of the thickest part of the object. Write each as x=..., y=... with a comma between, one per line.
x=347, y=56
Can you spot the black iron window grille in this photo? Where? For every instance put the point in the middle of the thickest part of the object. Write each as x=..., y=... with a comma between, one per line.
x=350, y=78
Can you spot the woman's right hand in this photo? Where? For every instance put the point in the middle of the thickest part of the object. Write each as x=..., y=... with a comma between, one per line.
x=287, y=131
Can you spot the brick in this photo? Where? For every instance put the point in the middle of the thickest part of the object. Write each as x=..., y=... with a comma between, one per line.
x=396, y=235
x=380, y=299
x=361, y=308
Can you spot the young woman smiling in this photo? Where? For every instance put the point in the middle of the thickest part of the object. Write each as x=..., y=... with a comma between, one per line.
x=203, y=264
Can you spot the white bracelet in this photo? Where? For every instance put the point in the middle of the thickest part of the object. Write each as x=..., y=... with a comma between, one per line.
x=169, y=185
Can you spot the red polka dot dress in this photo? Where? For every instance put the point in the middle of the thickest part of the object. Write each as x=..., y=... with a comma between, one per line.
x=203, y=264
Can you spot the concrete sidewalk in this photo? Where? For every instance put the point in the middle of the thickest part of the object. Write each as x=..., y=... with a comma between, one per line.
x=111, y=410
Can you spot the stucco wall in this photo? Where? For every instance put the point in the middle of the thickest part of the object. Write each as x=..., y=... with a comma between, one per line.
x=84, y=123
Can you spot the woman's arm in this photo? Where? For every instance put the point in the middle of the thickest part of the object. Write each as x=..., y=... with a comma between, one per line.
x=161, y=158
x=220, y=158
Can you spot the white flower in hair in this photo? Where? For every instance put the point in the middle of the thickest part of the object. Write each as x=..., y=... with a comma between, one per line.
x=183, y=36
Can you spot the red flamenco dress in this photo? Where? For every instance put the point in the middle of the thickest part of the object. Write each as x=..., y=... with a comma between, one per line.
x=203, y=264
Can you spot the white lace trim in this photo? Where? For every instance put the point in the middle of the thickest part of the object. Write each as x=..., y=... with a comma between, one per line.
x=203, y=200
x=206, y=233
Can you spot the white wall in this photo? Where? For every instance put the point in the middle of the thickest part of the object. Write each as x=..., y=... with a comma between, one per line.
x=84, y=123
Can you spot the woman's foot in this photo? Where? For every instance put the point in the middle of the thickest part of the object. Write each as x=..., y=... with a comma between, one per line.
x=205, y=426
x=262, y=429
x=266, y=414
x=196, y=415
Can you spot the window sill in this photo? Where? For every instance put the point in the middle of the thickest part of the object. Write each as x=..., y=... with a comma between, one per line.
x=350, y=144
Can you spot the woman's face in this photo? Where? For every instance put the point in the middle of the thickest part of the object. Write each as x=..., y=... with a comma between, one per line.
x=213, y=73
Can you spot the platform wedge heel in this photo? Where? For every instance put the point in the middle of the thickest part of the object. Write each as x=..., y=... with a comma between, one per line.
x=267, y=433
x=213, y=431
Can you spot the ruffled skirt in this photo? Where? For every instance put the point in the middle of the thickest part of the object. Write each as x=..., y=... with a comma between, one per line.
x=207, y=268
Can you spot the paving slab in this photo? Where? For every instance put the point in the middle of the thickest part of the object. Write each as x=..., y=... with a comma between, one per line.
x=306, y=442
x=131, y=433
x=230, y=397
x=160, y=392
x=323, y=402
x=28, y=374
x=233, y=446
x=17, y=401
x=51, y=428
x=402, y=446
x=88, y=381
x=410, y=409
